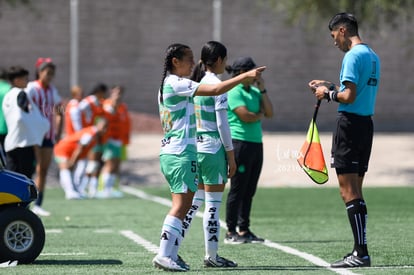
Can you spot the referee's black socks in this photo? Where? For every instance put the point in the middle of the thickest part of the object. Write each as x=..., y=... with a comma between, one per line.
x=357, y=214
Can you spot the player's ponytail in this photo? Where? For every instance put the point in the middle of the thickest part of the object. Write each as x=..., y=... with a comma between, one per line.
x=230, y=70
x=198, y=72
x=174, y=50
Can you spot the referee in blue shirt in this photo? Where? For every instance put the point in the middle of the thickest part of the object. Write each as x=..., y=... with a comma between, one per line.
x=352, y=140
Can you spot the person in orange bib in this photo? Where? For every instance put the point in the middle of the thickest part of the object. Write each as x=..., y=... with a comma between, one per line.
x=73, y=148
x=91, y=109
x=118, y=135
x=73, y=123
x=73, y=120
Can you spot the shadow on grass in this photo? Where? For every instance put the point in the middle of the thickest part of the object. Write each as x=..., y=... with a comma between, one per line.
x=78, y=262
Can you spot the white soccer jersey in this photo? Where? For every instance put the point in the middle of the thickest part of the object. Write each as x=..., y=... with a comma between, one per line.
x=46, y=100
x=205, y=110
x=177, y=115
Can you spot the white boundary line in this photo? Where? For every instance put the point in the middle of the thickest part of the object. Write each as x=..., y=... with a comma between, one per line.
x=53, y=231
x=139, y=240
x=64, y=254
x=289, y=250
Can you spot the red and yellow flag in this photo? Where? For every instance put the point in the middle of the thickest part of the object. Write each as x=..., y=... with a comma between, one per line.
x=311, y=157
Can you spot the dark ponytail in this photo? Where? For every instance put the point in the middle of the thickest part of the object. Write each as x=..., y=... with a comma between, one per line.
x=210, y=53
x=174, y=50
x=198, y=72
x=229, y=70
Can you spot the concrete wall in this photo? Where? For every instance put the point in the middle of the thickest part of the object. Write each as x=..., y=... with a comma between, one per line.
x=123, y=41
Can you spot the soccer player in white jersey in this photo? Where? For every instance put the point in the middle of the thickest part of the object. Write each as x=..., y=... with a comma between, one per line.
x=45, y=95
x=215, y=152
x=178, y=155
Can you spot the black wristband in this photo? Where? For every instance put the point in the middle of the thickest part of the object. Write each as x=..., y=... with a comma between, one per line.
x=264, y=91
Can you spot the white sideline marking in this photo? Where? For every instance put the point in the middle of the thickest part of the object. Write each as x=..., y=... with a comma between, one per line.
x=309, y=257
x=141, y=241
x=53, y=231
x=289, y=250
x=64, y=254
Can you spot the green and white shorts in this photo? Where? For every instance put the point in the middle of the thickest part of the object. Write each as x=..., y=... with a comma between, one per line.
x=180, y=171
x=212, y=168
x=112, y=150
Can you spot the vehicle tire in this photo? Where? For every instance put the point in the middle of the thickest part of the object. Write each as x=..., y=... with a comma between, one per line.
x=22, y=235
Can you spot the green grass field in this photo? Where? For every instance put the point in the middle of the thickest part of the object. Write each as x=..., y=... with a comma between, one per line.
x=117, y=235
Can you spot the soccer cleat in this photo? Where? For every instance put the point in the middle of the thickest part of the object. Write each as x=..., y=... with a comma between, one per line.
x=352, y=260
x=234, y=238
x=252, y=238
x=40, y=211
x=218, y=262
x=167, y=264
x=182, y=263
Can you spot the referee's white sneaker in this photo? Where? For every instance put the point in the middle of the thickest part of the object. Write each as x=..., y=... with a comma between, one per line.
x=167, y=264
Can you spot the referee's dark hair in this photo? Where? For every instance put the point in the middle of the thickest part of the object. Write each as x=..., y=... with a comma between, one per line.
x=346, y=19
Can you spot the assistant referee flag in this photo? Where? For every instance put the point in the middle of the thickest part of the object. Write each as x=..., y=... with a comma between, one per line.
x=311, y=157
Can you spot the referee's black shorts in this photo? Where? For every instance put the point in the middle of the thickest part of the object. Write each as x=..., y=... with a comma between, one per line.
x=352, y=143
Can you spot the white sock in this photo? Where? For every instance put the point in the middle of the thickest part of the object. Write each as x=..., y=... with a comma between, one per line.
x=65, y=179
x=211, y=222
x=109, y=181
x=79, y=173
x=83, y=184
x=198, y=200
x=171, y=229
x=176, y=246
x=93, y=186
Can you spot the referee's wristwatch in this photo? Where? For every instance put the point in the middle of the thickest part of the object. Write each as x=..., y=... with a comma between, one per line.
x=263, y=91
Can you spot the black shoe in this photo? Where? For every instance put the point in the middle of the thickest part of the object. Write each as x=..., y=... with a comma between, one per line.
x=182, y=263
x=351, y=260
x=252, y=238
x=234, y=238
x=219, y=262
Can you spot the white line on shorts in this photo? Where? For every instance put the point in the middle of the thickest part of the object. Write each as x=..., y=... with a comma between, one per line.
x=289, y=250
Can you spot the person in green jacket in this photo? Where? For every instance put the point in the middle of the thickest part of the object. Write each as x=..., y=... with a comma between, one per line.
x=248, y=104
